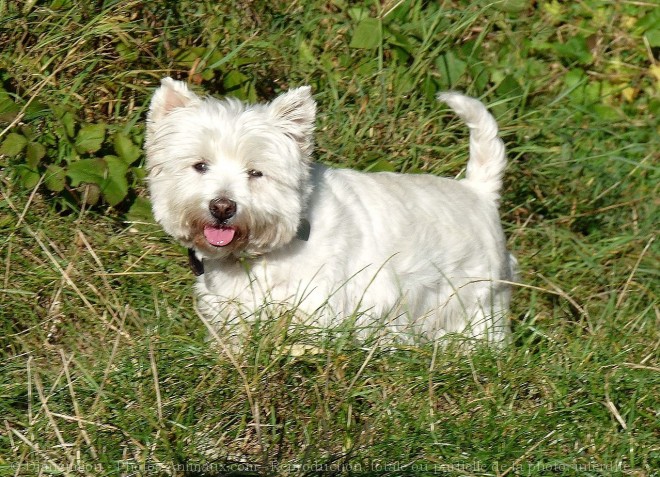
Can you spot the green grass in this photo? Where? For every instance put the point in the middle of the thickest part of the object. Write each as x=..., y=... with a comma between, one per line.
x=107, y=369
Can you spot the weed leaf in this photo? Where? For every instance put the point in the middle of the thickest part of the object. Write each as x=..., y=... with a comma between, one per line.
x=140, y=211
x=8, y=108
x=90, y=138
x=90, y=171
x=126, y=149
x=55, y=178
x=35, y=152
x=367, y=34
x=28, y=177
x=115, y=186
x=13, y=145
x=575, y=49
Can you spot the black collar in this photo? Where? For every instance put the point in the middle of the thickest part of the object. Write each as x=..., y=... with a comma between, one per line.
x=196, y=265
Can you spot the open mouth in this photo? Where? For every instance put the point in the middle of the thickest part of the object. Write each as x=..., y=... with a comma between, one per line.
x=219, y=236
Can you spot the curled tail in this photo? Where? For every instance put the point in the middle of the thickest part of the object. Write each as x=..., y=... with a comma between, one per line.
x=485, y=167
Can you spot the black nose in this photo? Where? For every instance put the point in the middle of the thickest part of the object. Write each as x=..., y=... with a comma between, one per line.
x=222, y=209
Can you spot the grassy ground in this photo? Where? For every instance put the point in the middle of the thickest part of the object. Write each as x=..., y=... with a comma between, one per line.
x=105, y=366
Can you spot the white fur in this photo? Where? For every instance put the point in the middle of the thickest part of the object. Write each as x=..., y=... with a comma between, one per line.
x=419, y=254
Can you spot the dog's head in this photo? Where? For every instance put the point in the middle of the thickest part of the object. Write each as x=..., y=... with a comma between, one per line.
x=226, y=177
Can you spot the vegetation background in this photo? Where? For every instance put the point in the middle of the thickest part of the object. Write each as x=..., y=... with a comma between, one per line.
x=105, y=367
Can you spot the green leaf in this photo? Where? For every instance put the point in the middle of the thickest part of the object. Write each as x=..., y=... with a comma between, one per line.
x=306, y=54
x=140, y=211
x=115, y=186
x=89, y=171
x=367, y=67
x=234, y=80
x=575, y=49
x=109, y=174
x=654, y=106
x=139, y=173
x=29, y=178
x=126, y=52
x=8, y=107
x=508, y=87
x=29, y=132
x=358, y=13
x=399, y=13
x=430, y=88
x=90, y=138
x=36, y=109
x=575, y=78
x=452, y=68
x=653, y=37
x=650, y=21
x=381, y=165
x=13, y=145
x=554, y=9
x=55, y=178
x=575, y=81
x=367, y=34
x=68, y=123
x=404, y=82
x=35, y=152
x=246, y=60
x=404, y=42
x=126, y=149
x=479, y=75
x=188, y=56
x=606, y=112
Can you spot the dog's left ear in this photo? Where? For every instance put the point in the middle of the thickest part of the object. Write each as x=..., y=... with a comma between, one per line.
x=172, y=94
x=295, y=111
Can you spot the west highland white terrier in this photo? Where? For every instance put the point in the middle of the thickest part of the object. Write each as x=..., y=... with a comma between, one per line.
x=412, y=254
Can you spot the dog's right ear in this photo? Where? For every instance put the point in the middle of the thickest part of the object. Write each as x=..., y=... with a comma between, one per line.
x=172, y=94
x=295, y=112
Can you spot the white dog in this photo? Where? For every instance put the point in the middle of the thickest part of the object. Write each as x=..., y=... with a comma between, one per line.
x=417, y=255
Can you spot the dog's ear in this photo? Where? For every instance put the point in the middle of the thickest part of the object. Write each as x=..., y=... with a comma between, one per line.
x=172, y=94
x=295, y=112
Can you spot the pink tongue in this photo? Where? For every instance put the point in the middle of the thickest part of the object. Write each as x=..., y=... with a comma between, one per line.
x=219, y=236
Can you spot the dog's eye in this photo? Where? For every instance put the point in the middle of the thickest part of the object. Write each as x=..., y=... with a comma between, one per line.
x=201, y=167
x=254, y=173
